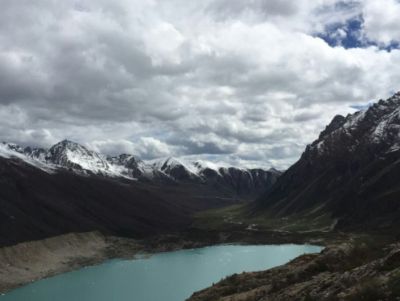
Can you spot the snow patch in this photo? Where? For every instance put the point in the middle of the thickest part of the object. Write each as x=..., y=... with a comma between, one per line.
x=73, y=156
x=11, y=150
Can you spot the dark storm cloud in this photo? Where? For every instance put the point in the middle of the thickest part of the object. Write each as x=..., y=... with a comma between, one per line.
x=247, y=82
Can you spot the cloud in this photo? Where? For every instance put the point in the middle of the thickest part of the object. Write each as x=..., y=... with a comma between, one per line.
x=225, y=9
x=247, y=82
x=381, y=21
x=144, y=147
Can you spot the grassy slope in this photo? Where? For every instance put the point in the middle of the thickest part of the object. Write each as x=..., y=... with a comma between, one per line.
x=238, y=217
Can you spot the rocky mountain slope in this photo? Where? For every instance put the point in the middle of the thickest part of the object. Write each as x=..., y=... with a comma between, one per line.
x=351, y=171
x=35, y=204
x=69, y=188
x=75, y=157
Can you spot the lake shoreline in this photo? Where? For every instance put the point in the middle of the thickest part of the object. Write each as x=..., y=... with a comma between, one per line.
x=27, y=262
x=365, y=267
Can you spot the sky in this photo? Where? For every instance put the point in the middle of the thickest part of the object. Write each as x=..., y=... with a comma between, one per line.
x=249, y=83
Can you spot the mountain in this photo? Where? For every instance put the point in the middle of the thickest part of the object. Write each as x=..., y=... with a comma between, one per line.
x=69, y=155
x=36, y=204
x=69, y=188
x=131, y=166
x=242, y=181
x=350, y=172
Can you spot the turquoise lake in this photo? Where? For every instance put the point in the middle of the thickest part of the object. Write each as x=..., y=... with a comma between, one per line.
x=171, y=276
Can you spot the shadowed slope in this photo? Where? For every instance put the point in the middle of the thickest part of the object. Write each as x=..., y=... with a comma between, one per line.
x=351, y=171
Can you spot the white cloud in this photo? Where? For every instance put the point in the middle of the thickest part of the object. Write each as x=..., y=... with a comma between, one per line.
x=241, y=81
x=381, y=20
x=144, y=147
x=149, y=147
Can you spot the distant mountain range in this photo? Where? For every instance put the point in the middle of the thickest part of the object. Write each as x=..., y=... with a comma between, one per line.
x=69, y=188
x=77, y=158
x=351, y=172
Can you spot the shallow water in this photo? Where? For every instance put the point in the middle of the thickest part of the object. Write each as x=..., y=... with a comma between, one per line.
x=171, y=276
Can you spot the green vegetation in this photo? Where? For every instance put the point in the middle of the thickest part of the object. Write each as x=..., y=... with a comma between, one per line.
x=238, y=217
x=221, y=219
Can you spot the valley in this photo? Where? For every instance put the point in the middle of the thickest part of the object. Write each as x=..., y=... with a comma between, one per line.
x=214, y=150
x=346, y=182
x=69, y=207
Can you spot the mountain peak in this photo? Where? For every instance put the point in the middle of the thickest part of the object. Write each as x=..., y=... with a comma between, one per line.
x=336, y=122
x=73, y=155
x=348, y=170
x=376, y=126
x=67, y=143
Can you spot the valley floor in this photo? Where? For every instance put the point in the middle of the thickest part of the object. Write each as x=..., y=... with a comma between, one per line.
x=351, y=267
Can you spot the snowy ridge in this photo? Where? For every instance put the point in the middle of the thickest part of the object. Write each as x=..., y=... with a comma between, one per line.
x=77, y=158
x=192, y=168
x=11, y=150
x=65, y=154
x=200, y=169
x=377, y=125
x=169, y=163
x=351, y=172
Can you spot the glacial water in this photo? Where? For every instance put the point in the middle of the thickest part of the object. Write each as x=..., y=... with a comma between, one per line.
x=171, y=276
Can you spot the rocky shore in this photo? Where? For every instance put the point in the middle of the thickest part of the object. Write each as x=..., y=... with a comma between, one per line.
x=347, y=272
x=31, y=261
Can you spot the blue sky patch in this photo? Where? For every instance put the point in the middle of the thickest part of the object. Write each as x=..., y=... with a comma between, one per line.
x=350, y=35
x=347, y=35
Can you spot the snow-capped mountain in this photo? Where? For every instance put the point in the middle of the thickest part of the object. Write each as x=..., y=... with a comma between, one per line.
x=175, y=168
x=69, y=188
x=36, y=153
x=351, y=171
x=241, y=180
x=77, y=158
x=129, y=165
x=378, y=126
x=70, y=155
x=12, y=150
x=73, y=155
